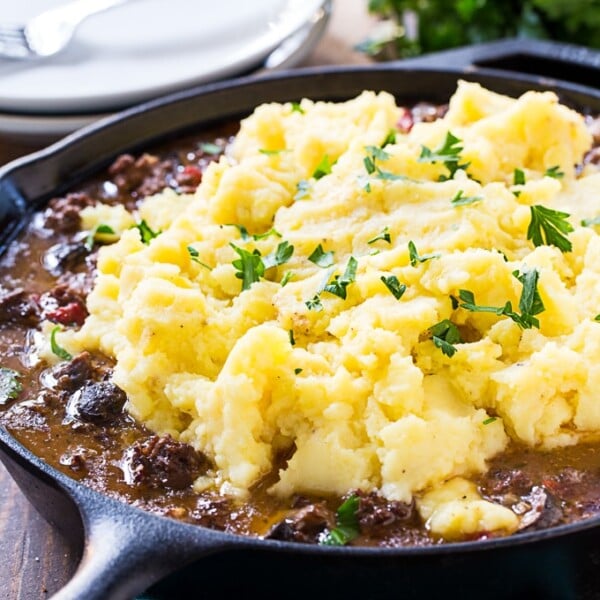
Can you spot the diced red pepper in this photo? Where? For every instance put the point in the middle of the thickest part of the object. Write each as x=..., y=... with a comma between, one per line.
x=73, y=313
x=193, y=174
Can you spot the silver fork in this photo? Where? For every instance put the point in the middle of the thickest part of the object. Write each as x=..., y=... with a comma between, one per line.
x=49, y=32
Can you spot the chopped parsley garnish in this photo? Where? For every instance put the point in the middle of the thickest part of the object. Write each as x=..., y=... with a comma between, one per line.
x=338, y=285
x=288, y=276
x=384, y=235
x=298, y=370
x=314, y=303
x=447, y=153
x=374, y=154
x=597, y=318
x=281, y=255
x=209, y=148
x=444, y=335
x=250, y=266
x=461, y=200
x=194, y=256
x=291, y=336
x=347, y=527
x=297, y=108
x=414, y=255
x=146, y=232
x=396, y=288
x=271, y=152
x=243, y=231
x=321, y=258
x=591, y=221
x=489, y=420
x=554, y=172
x=55, y=347
x=390, y=138
x=547, y=227
x=518, y=177
x=10, y=386
x=323, y=168
x=254, y=236
x=303, y=188
x=266, y=234
x=530, y=303
x=101, y=229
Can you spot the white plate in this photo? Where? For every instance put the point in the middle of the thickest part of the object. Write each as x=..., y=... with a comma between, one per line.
x=43, y=129
x=146, y=48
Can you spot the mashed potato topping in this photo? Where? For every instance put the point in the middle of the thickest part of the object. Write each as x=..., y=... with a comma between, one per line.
x=373, y=303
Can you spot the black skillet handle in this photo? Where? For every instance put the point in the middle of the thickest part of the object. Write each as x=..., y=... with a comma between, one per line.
x=549, y=60
x=127, y=550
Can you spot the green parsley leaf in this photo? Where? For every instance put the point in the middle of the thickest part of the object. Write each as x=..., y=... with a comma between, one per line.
x=146, y=232
x=365, y=183
x=297, y=108
x=530, y=302
x=347, y=526
x=444, y=335
x=374, y=154
x=303, y=188
x=321, y=258
x=194, y=257
x=518, y=177
x=338, y=285
x=547, y=227
x=323, y=168
x=489, y=420
x=250, y=267
x=554, y=172
x=10, y=386
x=461, y=200
x=246, y=237
x=384, y=235
x=314, y=303
x=266, y=234
x=298, y=370
x=387, y=176
x=55, y=347
x=447, y=153
x=271, y=152
x=243, y=231
x=468, y=303
x=288, y=276
x=597, y=318
x=100, y=229
x=396, y=288
x=291, y=336
x=390, y=138
x=591, y=221
x=414, y=255
x=282, y=254
x=210, y=148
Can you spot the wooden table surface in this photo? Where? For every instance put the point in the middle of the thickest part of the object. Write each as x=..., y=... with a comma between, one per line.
x=35, y=560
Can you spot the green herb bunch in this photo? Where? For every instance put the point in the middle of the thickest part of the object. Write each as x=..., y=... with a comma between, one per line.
x=442, y=24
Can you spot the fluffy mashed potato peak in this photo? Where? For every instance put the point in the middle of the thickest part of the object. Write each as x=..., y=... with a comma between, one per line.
x=357, y=298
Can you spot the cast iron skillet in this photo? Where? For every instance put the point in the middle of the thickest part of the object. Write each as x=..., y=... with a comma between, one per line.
x=127, y=550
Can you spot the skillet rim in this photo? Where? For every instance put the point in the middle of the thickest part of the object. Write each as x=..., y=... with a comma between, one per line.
x=84, y=496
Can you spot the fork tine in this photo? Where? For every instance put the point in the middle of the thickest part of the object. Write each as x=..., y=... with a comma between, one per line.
x=13, y=42
x=11, y=34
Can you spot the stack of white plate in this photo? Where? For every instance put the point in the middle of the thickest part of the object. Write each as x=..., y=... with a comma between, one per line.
x=147, y=48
